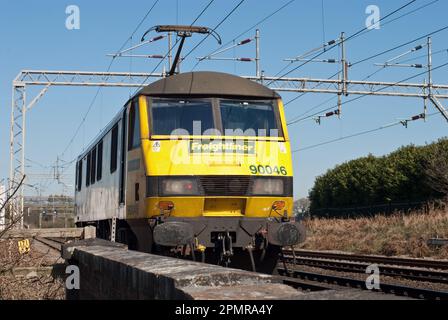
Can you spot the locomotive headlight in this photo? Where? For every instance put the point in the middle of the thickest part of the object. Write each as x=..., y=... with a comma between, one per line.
x=179, y=186
x=268, y=186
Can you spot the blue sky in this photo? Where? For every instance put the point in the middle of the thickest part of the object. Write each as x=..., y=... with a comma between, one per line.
x=34, y=36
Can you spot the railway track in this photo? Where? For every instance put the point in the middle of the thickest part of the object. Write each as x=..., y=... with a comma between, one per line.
x=405, y=262
x=415, y=274
x=389, y=288
x=413, y=269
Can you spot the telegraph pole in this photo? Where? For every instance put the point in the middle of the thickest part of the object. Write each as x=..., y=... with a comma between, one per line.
x=170, y=54
x=257, y=54
x=344, y=65
x=425, y=100
x=429, y=44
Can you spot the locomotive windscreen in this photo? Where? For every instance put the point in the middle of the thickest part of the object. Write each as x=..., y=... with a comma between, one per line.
x=214, y=117
x=169, y=116
x=243, y=118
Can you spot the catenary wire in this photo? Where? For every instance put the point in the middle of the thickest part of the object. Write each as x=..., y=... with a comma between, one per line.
x=356, y=134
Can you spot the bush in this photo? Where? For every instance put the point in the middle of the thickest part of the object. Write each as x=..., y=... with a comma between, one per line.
x=409, y=174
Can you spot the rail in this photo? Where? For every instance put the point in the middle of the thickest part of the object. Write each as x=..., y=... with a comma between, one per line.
x=389, y=288
x=409, y=262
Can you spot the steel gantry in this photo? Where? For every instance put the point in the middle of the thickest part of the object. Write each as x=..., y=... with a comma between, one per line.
x=374, y=88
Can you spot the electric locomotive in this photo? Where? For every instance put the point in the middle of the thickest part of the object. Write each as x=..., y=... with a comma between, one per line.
x=196, y=165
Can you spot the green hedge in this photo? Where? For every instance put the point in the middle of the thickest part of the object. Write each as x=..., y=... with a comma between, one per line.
x=398, y=177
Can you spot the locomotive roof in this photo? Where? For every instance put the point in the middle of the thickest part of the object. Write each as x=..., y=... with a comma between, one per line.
x=207, y=84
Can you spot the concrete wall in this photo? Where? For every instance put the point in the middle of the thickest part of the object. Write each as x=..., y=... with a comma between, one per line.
x=87, y=232
x=112, y=272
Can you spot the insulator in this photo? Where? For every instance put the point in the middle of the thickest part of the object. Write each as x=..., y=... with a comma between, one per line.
x=156, y=56
x=331, y=60
x=417, y=117
x=157, y=38
x=245, y=59
x=331, y=42
x=329, y=114
x=245, y=41
x=419, y=66
x=418, y=47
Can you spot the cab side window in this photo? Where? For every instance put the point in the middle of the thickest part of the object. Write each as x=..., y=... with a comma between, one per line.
x=134, y=127
x=114, y=149
x=89, y=161
x=99, y=162
x=79, y=175
x=93, y=166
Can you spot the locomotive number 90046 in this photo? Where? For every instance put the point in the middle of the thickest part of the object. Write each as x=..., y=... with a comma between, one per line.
x=268, y=170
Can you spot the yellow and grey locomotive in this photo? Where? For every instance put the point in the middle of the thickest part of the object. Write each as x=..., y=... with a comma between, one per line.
x=195, y=165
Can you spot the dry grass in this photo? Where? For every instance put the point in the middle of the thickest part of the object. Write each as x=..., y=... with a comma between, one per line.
x=397, y=235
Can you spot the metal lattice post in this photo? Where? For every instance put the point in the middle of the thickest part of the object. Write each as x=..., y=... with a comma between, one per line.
x=17, y=149
x=11, y=155
x=22, y=105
